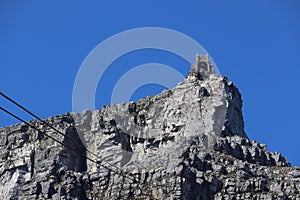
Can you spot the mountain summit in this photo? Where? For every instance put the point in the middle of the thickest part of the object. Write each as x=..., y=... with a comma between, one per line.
x=185, y=143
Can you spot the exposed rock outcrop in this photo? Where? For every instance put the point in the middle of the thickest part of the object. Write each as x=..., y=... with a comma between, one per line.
x=185, y=143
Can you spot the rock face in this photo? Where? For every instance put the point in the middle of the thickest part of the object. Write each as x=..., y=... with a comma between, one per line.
x=185, y=143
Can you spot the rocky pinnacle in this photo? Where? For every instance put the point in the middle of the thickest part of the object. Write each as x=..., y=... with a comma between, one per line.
x=185, y=143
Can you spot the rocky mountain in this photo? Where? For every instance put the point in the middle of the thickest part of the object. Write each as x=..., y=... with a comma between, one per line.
x=185, y=143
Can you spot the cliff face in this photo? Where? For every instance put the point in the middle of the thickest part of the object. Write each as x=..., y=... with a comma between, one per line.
x=185, y=143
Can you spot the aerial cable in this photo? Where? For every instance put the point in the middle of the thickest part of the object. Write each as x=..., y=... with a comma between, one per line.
x=125, y=175
x=38, y=118
x=59, y=142
x=49, y=125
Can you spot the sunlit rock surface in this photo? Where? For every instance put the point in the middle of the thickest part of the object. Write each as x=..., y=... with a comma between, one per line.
x=185, y=143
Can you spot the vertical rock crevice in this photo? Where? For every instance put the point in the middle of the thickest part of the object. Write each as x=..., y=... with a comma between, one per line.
x=32, y=161
x=73, y=155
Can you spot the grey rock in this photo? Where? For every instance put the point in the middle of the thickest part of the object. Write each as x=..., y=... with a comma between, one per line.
x=185, y=143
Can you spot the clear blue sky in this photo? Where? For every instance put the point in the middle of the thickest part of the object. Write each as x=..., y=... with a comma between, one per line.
x=256, y=44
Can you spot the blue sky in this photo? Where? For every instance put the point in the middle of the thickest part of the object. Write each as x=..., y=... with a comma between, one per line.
x=256, y=44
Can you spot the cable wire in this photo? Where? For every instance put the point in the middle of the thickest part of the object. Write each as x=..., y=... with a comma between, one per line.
x=59, y=142
x=59, y=132
x=121, y=173
x=41, y=120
